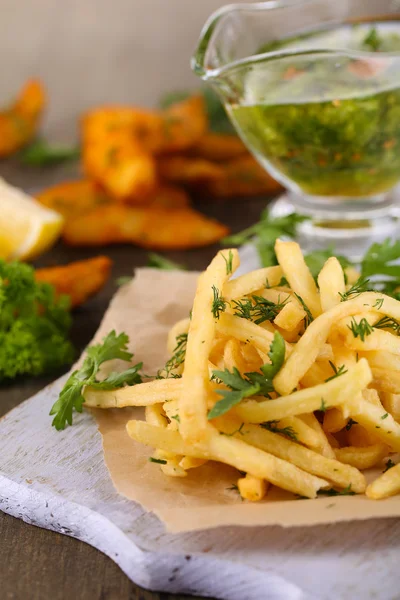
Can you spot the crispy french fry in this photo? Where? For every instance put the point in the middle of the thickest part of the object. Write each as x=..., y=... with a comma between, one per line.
x=333, y=393
x=195, y=379
x=304, y=458
x=252, y=488
x=381, y=359
x=362, y=458
x=297, y=273
x=233, y=452
x=386, y=381
x=79, y=280
x=376, y=420
x=323, y=446
x=304, y=433
x=251, y=282
x=391, y=403
x=183, y=169
x=388, y=484
x=242, y=176
x=233, y=356
x=142, y=394
x=309, y=345
x=188, y=462
x=358, y=436
x=331, y=284
x=334, y=421
x=155, y=415
x=154, y=228
x=180, y=327
x=218, y=147
x=290, y=317
x=18, y=124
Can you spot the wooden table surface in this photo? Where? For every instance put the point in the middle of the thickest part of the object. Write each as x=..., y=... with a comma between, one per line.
x=36, y=564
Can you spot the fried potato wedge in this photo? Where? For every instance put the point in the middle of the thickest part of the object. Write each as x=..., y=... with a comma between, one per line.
x=183, y=124
x=79, y=280
x=19, y=122
x=156, y=228
x=184, y=169
x=73, y=198
x=243, y=176
x=219, y=147
x=169, y=196
x=120, y=164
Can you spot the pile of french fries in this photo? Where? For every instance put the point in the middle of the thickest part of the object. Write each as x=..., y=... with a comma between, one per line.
x=334, y=409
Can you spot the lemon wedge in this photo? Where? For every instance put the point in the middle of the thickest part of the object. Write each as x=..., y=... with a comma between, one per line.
x=27, y=228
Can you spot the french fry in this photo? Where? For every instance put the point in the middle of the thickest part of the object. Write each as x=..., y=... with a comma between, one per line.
x=180, y=327
x=195, y=380
x=304, y=458
x=242, y=176
x=334, y=393
x=290, y=317
x=334, y=421
x=386, y=381
x=141, y=394
x=374, y=419
x=362, y=458
x=18, y=124
x=391, y=403
x=188, y=462
x=183, y=169
x=79, y=280
x=382, y=360
x=218, y=147
x=252, y=488
x=251, y=282
x=304, y=433
x=154, y=228
x=309, y=345
x=331, y=284
x=323, y=446
x=169, y=196
x=155, y=415
x=298, y=274
x=233, y=356
x=358, y=436
x=388, y=484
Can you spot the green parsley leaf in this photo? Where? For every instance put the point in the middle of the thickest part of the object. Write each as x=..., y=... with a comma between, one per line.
x=156, y=261
x=273, y=426
x=316, y=260
x=34, y=324
x=71, y=396
x=380, y=259
x=123, y=280
x=251, y=384
x=41, y=154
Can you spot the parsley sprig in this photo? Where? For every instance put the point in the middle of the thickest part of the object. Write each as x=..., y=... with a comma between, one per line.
x=71, y=396
x=251, y=384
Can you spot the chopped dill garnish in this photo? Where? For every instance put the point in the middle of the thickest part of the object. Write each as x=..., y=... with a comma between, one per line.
x=309, y=318
x=257, y=309
x=239, y=430
x=177, y=358
x=337, y=372
x=360, y=286
x=228, y=262
x=159, y=461
x=323, y=406
x=273, y=426
x=389, y=464
x=177, y=418
x=378, y=303
x=218, y=304
x=331, y=492
x=361, y=329
x=388, y=323
x=385, y=416
x=350, y=424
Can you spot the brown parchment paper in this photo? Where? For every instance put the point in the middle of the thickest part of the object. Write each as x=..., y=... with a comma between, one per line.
x=146, y=309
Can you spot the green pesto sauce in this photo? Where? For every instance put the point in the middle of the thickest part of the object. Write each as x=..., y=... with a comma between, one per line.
x=326, y=124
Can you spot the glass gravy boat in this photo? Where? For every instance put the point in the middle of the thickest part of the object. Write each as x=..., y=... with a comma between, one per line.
x=313, y=89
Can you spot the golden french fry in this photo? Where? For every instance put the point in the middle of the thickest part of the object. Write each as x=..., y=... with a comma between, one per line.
x=155, y=415
x=375, y=420
x=297, y=273
x=141, y=394
x=183, y=124
x=233, y=356
x=386, y=381
x=388, y=484
x=252, y=488
x=331, y=284
x=188, y=462
x=179, y=328
x=381, y=359
x=391, y=403
x=358, y=436
x=315, y=336
x=195, y=380
x=333, y=393
x=362, y=457
x=251, y=282
x=290, y=317
x=323, y=446
x=304, y=458
x=304, y=433
x=79, y=280
x=334, y=421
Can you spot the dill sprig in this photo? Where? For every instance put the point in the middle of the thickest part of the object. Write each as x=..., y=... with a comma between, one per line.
x=388, y=323
x=361, y=329
x=228, y=262
x=361, y=285
x=309, y=318
x=389, y=464
x=218, y=304
x=331, y=492
x=350, y=424
x=337, y=371
x=176, y=360
x=257, y=309
x=273, y=426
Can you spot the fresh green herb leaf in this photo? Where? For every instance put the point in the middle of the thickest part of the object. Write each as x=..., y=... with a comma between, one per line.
x=177, y=418
x=309, y=318
x=350, y=424
x=372, y=40
x=273, y=426
x=388, y=323
x=251, y=384
x=239, y=430
x=257, y=309
x=389, y=465
x=316, y=260
x=385, y=416
x=323, y=408
x=361, y=285
x=331, y=492
x=337, y=372
x=378, y=303
x=34, y=324
x=218, y=304
x=160, y=262
x=177, y=358
x=228, y=262
x=234, y=488
x=158, y=461
x=71, y=396
x=41, y=154
x=361, y=329
x=123, y=280
x=381, y=259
